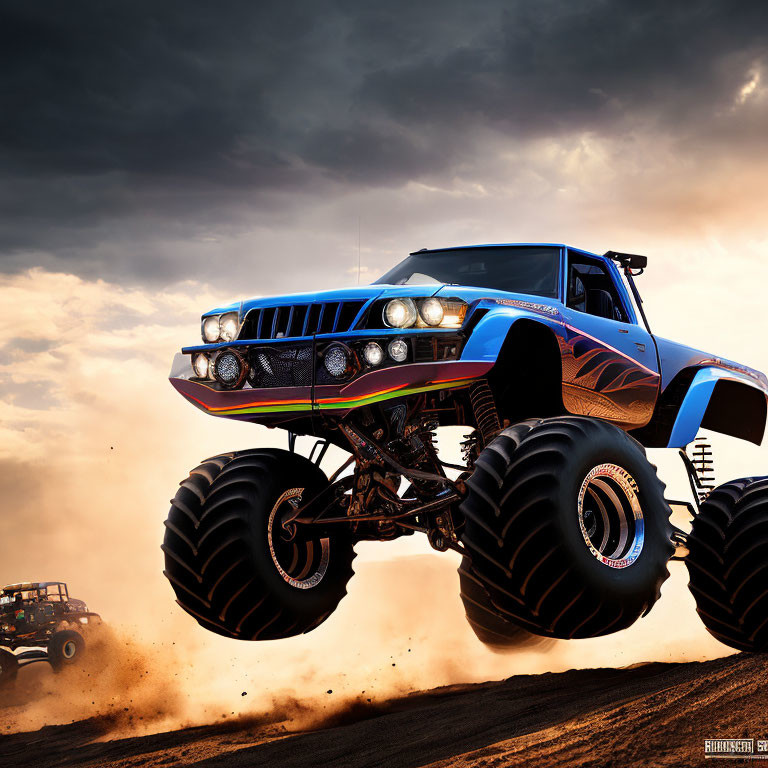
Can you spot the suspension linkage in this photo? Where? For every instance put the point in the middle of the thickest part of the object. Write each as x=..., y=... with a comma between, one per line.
x=357, y=439
x=447, y=499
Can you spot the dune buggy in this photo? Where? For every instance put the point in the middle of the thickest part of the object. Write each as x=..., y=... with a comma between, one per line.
x=41, y=618
x=543, y=352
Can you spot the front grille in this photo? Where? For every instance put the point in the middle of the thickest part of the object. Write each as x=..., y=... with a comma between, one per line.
x=281, y=366
x=300, y=320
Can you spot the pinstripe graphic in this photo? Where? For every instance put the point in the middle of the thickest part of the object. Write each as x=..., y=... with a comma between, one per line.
x=331, y=403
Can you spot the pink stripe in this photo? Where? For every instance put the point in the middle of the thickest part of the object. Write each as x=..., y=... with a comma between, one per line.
x=613, y=349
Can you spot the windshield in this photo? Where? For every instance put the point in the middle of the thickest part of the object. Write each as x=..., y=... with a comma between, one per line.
x=517, y=269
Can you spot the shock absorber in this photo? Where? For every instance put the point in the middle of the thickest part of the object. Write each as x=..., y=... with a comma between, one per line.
x=469, y=448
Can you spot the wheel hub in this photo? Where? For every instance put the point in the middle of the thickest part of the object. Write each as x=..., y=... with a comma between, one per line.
x=300, y=560
x=610, y=515
x=69, y=650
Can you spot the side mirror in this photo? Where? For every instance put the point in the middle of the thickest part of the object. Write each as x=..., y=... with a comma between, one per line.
x=628, y=260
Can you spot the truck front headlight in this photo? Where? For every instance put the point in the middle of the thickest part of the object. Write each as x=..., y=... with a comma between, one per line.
x=454, y=312
x=211, y=329
x=431, y=311
x=400, y=313
x=220, y=327
x=228, y=326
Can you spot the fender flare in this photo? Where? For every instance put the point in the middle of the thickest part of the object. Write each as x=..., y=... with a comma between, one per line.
x=722, y=400
x=491, y=332
x=524, y=350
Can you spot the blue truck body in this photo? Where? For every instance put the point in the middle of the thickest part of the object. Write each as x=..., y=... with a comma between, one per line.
x=663, y=393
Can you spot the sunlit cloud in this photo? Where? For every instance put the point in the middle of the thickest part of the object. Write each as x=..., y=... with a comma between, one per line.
x=749, y=89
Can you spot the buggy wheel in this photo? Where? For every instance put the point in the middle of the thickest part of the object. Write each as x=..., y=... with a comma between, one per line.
x=728, y=564
x=9, y=668
x=237, y=562
x=65, y=649
x=567, y=527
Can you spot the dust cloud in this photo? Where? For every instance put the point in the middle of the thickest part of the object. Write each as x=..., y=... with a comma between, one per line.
x=120, y=682
x=400, y=630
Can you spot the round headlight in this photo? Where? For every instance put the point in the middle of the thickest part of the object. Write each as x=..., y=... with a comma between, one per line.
x=336, y=361
x=229, y=369
x=432, y=312
x=228, y=326
x=398, y=350
x=200, y=365
x=211, y=329
x=400, y=313
x=373, y=353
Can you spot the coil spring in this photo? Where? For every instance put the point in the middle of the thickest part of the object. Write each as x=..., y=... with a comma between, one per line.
x=486, y=419
x=703, y=461
x=484, y=409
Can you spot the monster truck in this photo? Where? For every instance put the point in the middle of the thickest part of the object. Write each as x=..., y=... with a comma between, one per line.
x=42, y=618
x=544, y=353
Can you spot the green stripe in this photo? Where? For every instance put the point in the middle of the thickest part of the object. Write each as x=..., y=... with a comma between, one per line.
x=345, y=403
x=265, y=409
x=391, y=395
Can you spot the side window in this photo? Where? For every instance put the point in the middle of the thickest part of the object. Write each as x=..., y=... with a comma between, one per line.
x=591, y=289
x=54, y=593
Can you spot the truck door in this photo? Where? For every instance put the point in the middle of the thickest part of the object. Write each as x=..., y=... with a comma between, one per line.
x=610, y=367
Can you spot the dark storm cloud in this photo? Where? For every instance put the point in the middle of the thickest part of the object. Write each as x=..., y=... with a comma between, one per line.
x=550, y=67
x=127, y=121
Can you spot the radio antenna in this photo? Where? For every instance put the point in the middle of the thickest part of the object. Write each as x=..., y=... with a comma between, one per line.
x=358, y=248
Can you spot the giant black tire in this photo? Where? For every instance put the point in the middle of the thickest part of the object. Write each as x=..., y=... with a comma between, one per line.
x=223, y=562
x=9, y=668
x=549, y=562
x=728, y=563
x=66, y=648
x=496, y=632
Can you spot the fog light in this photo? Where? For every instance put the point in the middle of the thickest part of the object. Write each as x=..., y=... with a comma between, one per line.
x=201, y=366
x=398, y=350
x=373, y=353
x=432, y=312
x=229, y=369
x=336, y=361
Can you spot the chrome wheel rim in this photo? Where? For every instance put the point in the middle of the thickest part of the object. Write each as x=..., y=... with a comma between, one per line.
x=69, y=649
x=610, y=515
x=301, y=562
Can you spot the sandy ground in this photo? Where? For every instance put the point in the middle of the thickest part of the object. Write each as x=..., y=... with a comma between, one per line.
x=650, y=714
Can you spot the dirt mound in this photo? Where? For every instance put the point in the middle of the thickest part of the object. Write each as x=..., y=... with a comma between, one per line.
x=650, y=714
